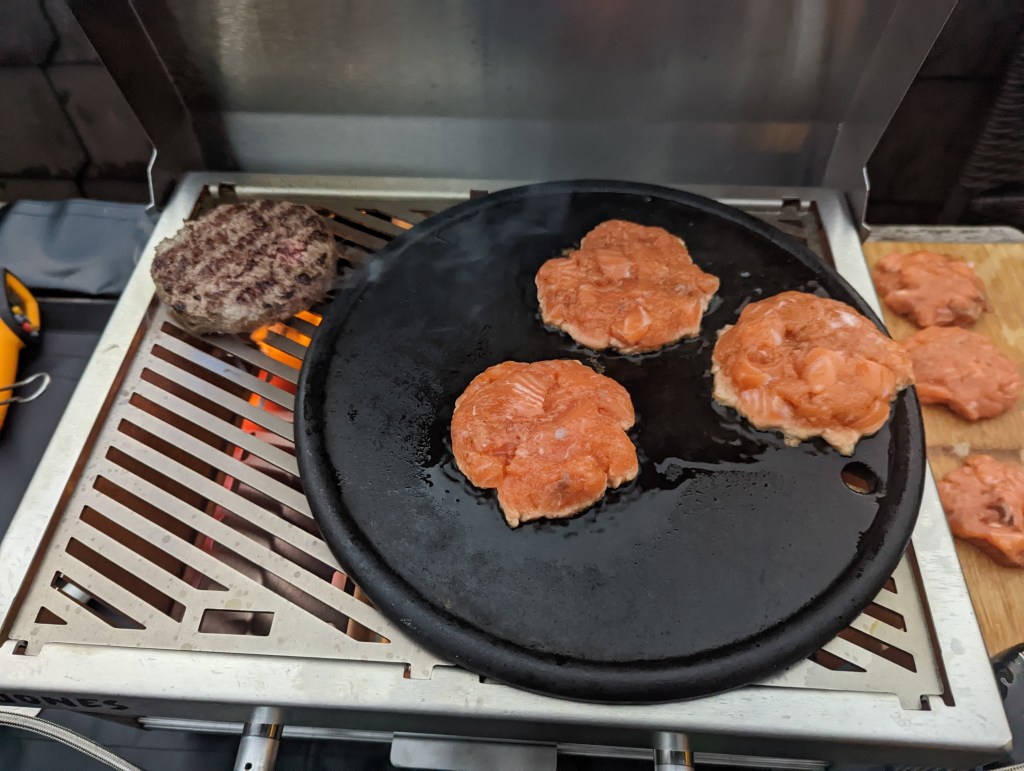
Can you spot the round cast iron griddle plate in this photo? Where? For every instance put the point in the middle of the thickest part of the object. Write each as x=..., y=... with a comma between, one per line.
x=730, y=556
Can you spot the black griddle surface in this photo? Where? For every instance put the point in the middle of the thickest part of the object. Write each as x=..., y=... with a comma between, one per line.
x=730, y=556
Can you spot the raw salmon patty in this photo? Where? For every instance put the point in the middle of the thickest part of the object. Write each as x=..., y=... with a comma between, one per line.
x=964, y=371
x=808, y=366
x=984, y=503
x=549, y=436
x=931, y=289
x=628, y=287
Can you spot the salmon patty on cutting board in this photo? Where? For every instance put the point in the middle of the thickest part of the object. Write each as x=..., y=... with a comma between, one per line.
x=963, y=371
x=808, y=366
x=984, y=503
x=549, y=436
x=931, y=289
x=245, y=265
x=629, y=287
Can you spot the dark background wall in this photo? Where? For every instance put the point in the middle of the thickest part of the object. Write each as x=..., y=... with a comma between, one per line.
x=916, y=165
x=65, y=129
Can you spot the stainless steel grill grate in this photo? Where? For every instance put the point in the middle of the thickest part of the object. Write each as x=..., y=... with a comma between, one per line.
x=187, y=528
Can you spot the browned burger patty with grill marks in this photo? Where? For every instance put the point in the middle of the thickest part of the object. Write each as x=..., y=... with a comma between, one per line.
x=245, y=265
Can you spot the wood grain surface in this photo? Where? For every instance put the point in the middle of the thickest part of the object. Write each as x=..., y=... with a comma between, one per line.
x=997, y=592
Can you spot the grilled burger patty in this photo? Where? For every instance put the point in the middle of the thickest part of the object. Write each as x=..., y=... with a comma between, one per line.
x=245, y=265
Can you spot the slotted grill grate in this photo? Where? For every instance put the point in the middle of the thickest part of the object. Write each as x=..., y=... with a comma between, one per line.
x=187, y=528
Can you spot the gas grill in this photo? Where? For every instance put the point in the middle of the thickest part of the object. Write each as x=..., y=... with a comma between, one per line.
x=178, y=578
x=164, y=566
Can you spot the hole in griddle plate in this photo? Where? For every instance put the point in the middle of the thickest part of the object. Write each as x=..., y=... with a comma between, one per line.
x=355, y=630
x=886, y=616
x=199, y=371
x=227, y=193
x=222, y=513
x=48, y=617
x=859, y=478
x=790, y=210
x=352, y=589
x=350, y=255
x=145, y=509
x=271, y=471
x=383, y=215
x=280, y=339
x=207, y=346
x=103, y=610
x=897, y=656
x=240, y=622
x=172, y=452
x=172, y=418
x=264, y=573
x=835, y=663
x=205, y=202
x=207, y=434
x=187, y=394
x=356, y=227
x=125, y=579
x=173, y=566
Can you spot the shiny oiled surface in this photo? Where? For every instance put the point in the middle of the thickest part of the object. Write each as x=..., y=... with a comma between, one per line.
x=997, y=592
x=726, y=556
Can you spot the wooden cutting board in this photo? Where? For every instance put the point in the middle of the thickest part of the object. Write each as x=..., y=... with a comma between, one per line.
x=997, y=592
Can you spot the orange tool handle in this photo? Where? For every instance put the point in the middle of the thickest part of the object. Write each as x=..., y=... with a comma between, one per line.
x=10, y=347
x=17, y=300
